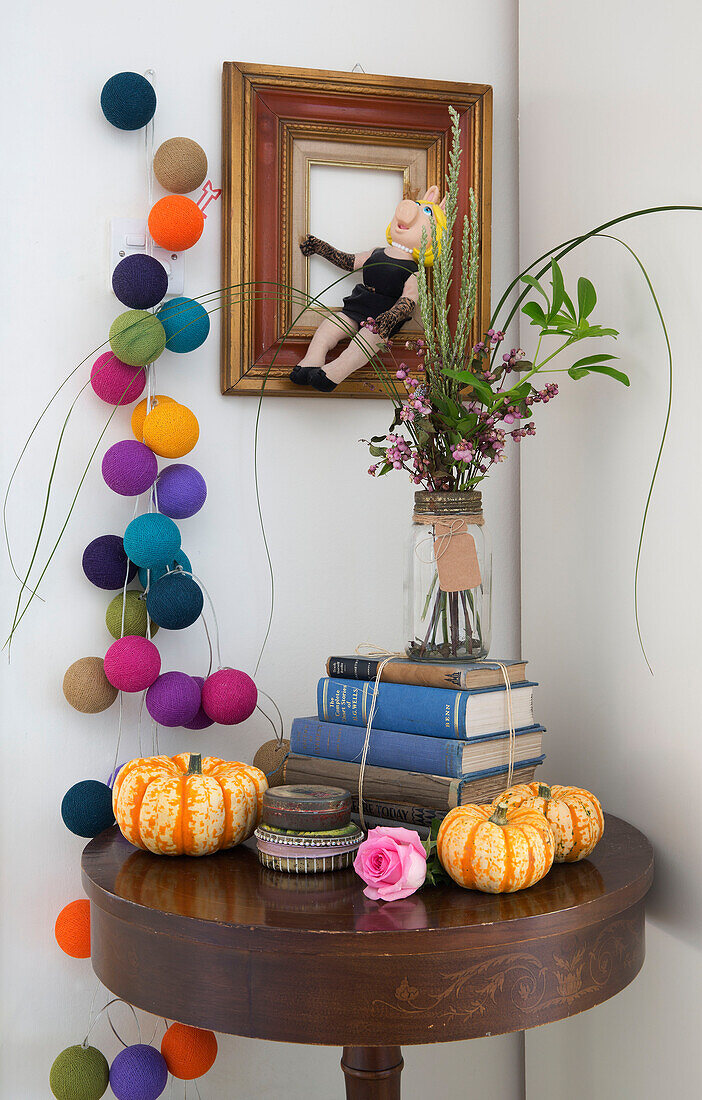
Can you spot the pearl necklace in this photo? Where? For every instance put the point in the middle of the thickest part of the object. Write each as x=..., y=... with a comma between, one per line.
x=404, y=247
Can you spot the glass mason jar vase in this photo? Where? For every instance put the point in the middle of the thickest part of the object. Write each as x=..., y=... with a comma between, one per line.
x=448, y=579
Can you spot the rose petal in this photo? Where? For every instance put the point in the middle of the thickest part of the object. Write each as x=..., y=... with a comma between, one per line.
x=400, y=836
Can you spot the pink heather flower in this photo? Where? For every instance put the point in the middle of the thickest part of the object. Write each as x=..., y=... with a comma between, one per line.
x=406, y=413
x=392, y=862
x=401, y=374
x=372, y=470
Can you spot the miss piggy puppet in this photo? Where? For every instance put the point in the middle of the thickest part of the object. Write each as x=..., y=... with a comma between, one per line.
x=388, y=292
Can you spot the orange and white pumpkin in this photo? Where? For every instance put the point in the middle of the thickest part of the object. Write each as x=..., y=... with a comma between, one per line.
x=495, y=849
x=575, y=816
x=187, y=805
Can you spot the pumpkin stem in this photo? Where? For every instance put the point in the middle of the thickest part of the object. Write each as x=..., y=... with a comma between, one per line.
x=499, y=816
x=544, y=790
x=195, y=764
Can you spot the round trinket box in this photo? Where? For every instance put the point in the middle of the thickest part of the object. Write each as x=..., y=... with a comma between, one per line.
x=306, y=807
x=307, y=852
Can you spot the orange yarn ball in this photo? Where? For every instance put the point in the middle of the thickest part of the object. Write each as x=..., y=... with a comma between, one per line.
x=176, y=223
x=189, y=1051
x=72, y=929
x=139, y=415
x=171, y=430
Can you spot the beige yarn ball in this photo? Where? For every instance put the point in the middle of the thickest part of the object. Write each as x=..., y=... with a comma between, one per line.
x=180, y=165
x=270, y=758
x=87, y=688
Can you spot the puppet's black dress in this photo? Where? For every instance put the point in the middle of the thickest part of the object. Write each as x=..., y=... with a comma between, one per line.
x=384, y=278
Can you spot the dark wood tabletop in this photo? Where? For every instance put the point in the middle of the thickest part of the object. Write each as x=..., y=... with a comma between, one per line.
x=222, y=943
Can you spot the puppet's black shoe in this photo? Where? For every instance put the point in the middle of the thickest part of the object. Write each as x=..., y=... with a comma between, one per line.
x=318, y=380
x=300, y=375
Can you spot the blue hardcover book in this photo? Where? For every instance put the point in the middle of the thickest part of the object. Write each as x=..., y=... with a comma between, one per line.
x=412, y=752
x=431, y=712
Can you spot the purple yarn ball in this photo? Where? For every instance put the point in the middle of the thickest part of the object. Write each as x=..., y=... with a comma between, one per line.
x=140, y=281
x=201, y=720
x=129, y=468
x=173, y=699
x=114, y=774
x=138, y=1072
x=180, y=491
x=105, y=563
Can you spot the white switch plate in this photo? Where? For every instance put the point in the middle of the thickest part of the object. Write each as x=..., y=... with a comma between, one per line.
x=129, y=236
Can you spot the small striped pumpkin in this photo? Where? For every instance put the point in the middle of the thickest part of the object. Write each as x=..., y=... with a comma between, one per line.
x=187, y=805
x=495, y=849
x=574, y=814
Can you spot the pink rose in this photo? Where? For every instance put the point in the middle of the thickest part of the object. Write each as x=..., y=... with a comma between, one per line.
x=392, y=862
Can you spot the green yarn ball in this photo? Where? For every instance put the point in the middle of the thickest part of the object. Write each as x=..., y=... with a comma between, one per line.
x=79, y=1073
x=134, y=616
x=137, y=337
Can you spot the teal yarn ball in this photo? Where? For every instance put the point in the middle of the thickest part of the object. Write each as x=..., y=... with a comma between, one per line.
x=137, y=337
x=79, y=1073
x=186, y=324
x=151, y=540
x=175, y=601
x=128, y=101
x=150, y=576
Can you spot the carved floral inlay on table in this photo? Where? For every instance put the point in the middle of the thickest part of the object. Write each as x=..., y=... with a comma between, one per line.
x=532, y=983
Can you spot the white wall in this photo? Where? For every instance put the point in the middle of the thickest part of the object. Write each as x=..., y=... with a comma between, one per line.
x=336, y=538
x=610, y=97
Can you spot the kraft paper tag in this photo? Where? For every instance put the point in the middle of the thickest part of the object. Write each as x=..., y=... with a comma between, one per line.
x=456, y=556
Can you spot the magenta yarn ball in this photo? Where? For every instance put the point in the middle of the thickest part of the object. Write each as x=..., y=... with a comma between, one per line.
x=180, y=491
x=138, y=1072
x=229, y=696
x=116, y=382
x=201, y=720
x=132, y=663
x=173, y=699
x=129, y=468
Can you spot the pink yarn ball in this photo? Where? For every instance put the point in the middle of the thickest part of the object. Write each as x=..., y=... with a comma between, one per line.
x=229, y=696
x=129, y=468
x=201, y=720
x=173, y=699
x=132, y=663
x=116, y=382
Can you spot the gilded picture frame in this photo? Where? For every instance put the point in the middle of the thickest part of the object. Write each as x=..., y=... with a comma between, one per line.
x=276, y=122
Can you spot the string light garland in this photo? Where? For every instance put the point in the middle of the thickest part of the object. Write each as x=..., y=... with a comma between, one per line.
x=171, y=598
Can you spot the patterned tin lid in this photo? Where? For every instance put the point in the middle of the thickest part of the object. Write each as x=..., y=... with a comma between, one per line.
x=291, y=844
x=306, y=807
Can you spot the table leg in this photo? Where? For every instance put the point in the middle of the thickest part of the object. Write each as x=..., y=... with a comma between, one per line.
x=372, y=1073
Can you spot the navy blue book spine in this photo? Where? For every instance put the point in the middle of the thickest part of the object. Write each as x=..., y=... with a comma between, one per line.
x=431, y=712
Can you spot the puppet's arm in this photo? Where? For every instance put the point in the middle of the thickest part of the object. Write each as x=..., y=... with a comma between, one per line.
x=401, y=311
x=310, y=246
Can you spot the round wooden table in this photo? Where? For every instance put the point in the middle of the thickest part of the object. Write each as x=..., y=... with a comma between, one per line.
x=222, y=943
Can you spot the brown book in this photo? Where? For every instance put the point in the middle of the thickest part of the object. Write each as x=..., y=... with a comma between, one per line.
x=439, y=674
x=389, y=785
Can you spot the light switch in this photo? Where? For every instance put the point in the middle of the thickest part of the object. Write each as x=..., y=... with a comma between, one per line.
x=129, y=236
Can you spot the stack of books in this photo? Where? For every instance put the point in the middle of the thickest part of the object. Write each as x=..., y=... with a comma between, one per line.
x=439, y=739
